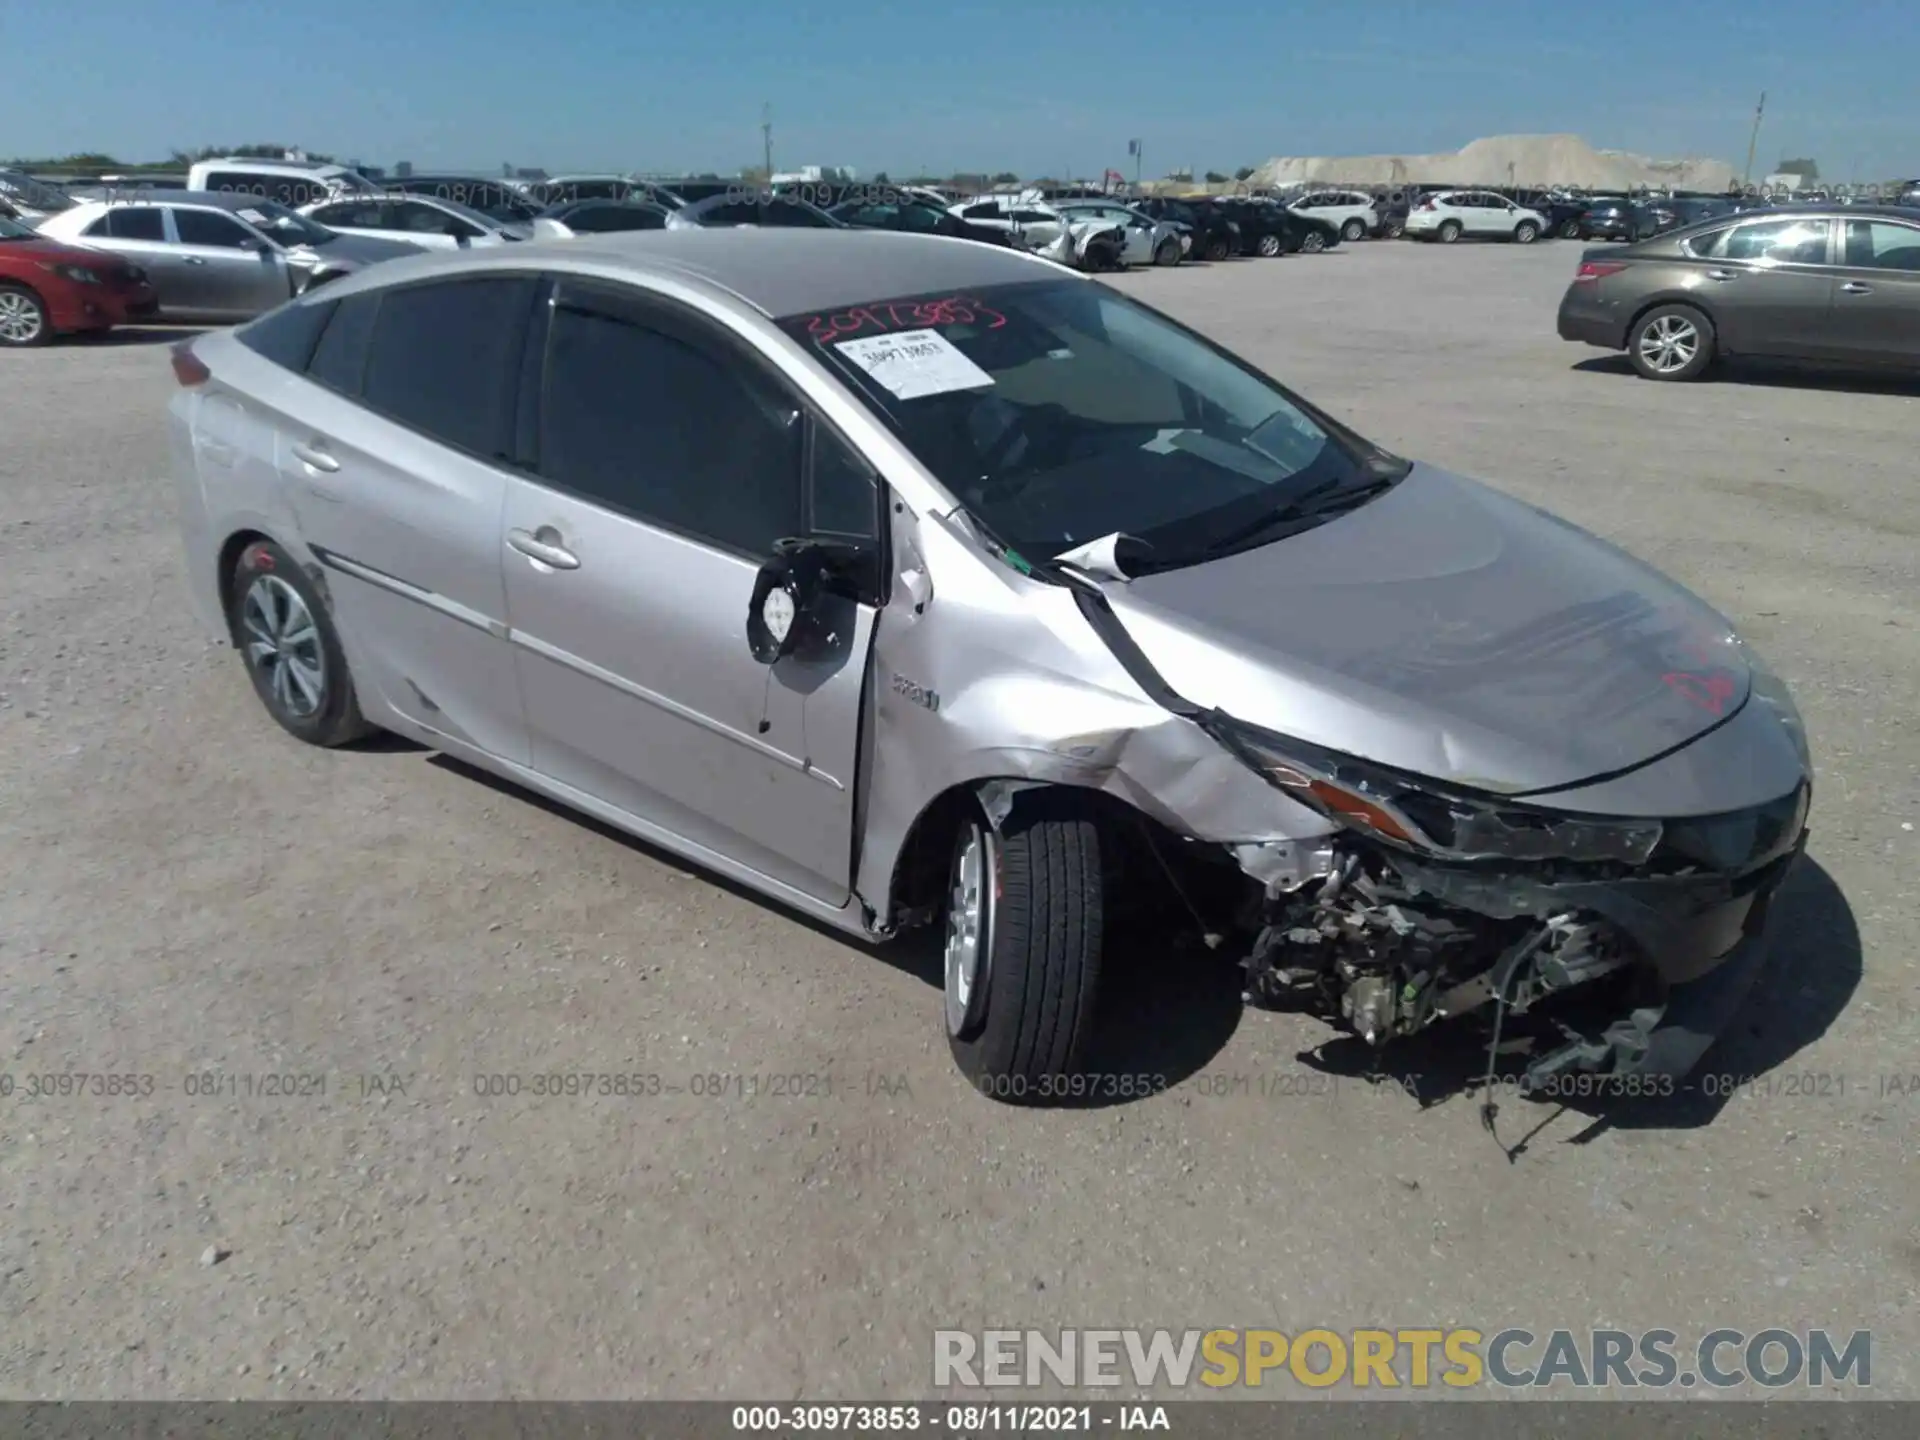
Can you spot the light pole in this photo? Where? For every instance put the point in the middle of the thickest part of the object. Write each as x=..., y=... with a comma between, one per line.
x=766, y=138
x=1753, y=141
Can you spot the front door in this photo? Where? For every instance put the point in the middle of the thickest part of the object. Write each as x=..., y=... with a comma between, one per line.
x=226, y=270
x=668, y=462
x=1876, y=293
x=1773, y=288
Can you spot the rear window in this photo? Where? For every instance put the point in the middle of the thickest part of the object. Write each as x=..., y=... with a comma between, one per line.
x=287, y=336
x=340, y=358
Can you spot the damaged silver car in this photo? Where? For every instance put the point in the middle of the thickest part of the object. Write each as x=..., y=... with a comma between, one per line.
x=918, y=583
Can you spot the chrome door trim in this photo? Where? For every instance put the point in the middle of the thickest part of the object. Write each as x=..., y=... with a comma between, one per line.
x=407, y=590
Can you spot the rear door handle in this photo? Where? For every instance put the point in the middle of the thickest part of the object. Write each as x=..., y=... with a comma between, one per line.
x=195, y=259
x=545, y=546
x=1854, y=287
x=316, y=456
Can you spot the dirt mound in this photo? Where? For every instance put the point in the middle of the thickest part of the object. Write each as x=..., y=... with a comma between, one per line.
x=1526, y=160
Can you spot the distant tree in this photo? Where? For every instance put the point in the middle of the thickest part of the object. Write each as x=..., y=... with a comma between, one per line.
x=1006, y=177
x=880, y=178
x=1245, y=172
x=1806, y=169
x=1214, y=177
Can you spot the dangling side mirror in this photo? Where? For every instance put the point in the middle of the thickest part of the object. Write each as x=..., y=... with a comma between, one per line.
x=784, y=606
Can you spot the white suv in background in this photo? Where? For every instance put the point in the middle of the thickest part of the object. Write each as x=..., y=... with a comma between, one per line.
x=291, y=183
x=1447, y=215
x=1353, y=214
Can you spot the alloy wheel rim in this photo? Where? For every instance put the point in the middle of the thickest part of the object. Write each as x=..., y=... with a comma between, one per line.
x=1313, y=242
x=20, y=319
x=969, y=932
x=1670, y=343
x=283, y=646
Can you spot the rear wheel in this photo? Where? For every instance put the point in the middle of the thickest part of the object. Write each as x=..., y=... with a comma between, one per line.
x=1393, y=229
x=1024, y=930
x=292, y=651
x=1353, y=230
x=1219, y=248
x=1671, y=342
x=1269, y=245
x=1313, y=242
x=1570, y=229
x=1449, y=231
x=23, y=317
x=1525, y=233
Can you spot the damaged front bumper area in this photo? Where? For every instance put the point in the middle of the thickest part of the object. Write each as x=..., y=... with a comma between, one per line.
x=1627, y=968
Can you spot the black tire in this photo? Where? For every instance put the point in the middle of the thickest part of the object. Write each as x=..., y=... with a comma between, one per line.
x=27, y=321
x=1570, y=230
x=1655, y=360
x=1525, y=233
x=1353, y=230
x=1312, y=243
x=1043, y=942
x=1167, y=252
x=1448, y=232
x=255, y=608
x=1219, y=248
x=1269, y=245
x=1393, y=229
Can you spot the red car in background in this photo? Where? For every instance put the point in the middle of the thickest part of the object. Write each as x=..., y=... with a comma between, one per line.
x=49, y=289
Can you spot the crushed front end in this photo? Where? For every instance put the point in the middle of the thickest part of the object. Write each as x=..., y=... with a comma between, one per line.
x=1631, y=942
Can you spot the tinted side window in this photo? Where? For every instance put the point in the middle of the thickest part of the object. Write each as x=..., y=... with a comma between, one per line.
x=741, y=213
x=646, y=424
x=357, y=214
x=845, y=490
x=134, y=222
x=287, y=336
x=340, y=359
x=1877, y=245
x=207, y=227
x=233, y=182
x=443, y=359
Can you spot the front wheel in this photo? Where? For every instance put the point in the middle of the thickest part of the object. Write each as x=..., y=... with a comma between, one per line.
x=1671, y=342
x=1167, y=252
x=1570, y=230
x=1025, y=911
x=1393, y=229
x=1219, y=248
x=1269, y=245
x=1353, y=230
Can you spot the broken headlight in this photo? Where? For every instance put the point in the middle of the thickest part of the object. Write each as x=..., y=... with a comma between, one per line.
x=1416, y=814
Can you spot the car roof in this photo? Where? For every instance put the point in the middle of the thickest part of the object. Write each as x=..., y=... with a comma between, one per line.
x=275, y=167
x=203, y=199
x=778, y=271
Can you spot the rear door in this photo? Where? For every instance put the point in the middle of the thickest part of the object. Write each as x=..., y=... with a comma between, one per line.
x=668, y=462
x=138, y=233
x=394, y=463
x=1771, y=287
x=1876, y=292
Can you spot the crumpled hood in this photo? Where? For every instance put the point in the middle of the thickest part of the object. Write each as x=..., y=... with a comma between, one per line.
x=1447, y=630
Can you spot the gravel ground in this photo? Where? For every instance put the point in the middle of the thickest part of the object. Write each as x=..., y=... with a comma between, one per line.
x=188, y=891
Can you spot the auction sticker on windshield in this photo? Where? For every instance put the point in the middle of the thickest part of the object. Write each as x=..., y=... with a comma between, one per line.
x=914, y=363
x=253, y=217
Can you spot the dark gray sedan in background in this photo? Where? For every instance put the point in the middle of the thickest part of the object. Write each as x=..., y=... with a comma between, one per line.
x=218, y=256
x=1824, y=284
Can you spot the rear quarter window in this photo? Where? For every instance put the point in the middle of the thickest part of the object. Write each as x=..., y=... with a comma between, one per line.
x=289, y=335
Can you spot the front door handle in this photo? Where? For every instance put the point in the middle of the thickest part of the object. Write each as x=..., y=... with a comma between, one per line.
x=1723, y=274
x=545, y=546
x=316, y=456
x=195, y=259
x=1854, y=287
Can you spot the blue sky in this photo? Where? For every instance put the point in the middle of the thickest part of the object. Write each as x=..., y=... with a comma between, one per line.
x=1032, y=88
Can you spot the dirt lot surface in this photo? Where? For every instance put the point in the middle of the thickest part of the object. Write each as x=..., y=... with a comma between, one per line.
x=185, y=891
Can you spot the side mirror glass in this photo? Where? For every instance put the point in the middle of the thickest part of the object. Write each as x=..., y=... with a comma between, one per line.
x=784, y=607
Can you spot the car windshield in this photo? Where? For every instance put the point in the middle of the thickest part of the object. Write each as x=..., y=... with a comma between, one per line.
x=35, y=194
x=284, y=226
x=1060, y=412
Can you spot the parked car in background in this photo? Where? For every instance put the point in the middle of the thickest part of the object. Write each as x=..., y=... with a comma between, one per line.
x=50, y=288
x=599, y=217
x=1450, y=215
x=1028, y=224
x=571, y=189
x=1393, y=218
x=1836, y=285
x=496, y=199
x=219, y=257
x=285, y=182
x=1353, y=213
x=1608, y=219
x=31, y=199
x=1146, y=241
x=1300, y=233
x=1656, y=216
x=1214, y=236
x=421, y=220
x=1563, y=213
x=713, y=547
x=913, y=216
x=751, y=209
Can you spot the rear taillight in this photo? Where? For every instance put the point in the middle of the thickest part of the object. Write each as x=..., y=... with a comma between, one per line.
x=1591, y=271
x=187, y=368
